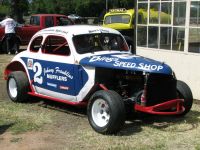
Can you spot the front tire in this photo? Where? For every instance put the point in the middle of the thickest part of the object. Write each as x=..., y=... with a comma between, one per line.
x=106, y=112
x=185, y=93
x=17, y=86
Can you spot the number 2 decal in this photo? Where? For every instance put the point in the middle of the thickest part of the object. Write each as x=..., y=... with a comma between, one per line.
x=37, y=68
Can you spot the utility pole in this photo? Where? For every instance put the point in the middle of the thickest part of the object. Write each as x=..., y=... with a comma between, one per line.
x=135, y=24
x=106, y=5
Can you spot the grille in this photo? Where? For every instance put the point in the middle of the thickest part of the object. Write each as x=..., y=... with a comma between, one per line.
x=160, y=88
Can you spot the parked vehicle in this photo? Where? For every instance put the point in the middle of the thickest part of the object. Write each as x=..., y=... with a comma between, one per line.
x=92, y=66
x=74, y=16
x=121, y=20
x=37, y=22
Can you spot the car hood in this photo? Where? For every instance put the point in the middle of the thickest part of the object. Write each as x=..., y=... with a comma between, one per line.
x=126, y=61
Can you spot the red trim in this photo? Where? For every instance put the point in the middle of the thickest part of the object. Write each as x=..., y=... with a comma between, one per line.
x=6, y=73
x=160, y=109
x=60, y=46
x=103, y=87
x=31, y=85
x=82, y=103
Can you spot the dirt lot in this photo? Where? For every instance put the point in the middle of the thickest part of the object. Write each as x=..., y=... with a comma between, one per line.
x=44, y=125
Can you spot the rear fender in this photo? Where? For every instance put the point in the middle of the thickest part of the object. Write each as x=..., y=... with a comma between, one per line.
x=16, y=66
x=13, y=66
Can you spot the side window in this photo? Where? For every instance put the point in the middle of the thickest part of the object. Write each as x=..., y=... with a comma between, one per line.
x=36, y=44
x=49, y=21
x=35, y=20
x=56, y=45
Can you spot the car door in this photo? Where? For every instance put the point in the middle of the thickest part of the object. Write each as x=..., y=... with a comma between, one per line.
x=52, y=69
x=58, y=67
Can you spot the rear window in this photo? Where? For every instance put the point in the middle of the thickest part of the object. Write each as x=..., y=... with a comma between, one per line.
x=36, y=44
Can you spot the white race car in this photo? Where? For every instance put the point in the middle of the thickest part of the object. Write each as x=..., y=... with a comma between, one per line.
x=92, y=66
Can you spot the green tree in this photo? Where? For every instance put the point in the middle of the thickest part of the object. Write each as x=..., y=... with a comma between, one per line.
x=86, y=8
x=18, y=9
x=53, y=6
x=15, y=8
x=89, y=8
x=3, y=11
x=121, y=4
x=4, y=8
x=38, y=6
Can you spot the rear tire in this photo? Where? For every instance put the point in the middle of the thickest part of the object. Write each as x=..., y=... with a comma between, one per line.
x=106, y=112
x=18, y=86
x=185, y=93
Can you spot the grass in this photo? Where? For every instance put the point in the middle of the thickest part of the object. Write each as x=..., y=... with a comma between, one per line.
x=4, y=59
x=19, y=118
x=143, y=133
x=151, y=133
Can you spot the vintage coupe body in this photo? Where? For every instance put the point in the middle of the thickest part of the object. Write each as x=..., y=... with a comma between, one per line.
x=92, y=66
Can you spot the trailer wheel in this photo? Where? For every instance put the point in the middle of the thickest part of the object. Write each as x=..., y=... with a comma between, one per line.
x=17, y=86
x=106, y=112
x=185, y=93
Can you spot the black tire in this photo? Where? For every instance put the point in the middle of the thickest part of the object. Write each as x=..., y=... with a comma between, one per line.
x=18, y=86
x=185, y=93
x=112, y=105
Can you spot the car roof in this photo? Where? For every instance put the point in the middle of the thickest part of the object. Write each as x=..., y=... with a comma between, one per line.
x=77, y=30
x=123, y=12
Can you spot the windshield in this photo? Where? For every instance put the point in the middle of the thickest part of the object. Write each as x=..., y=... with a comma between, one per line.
x=117, y=19
x=87, y=43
